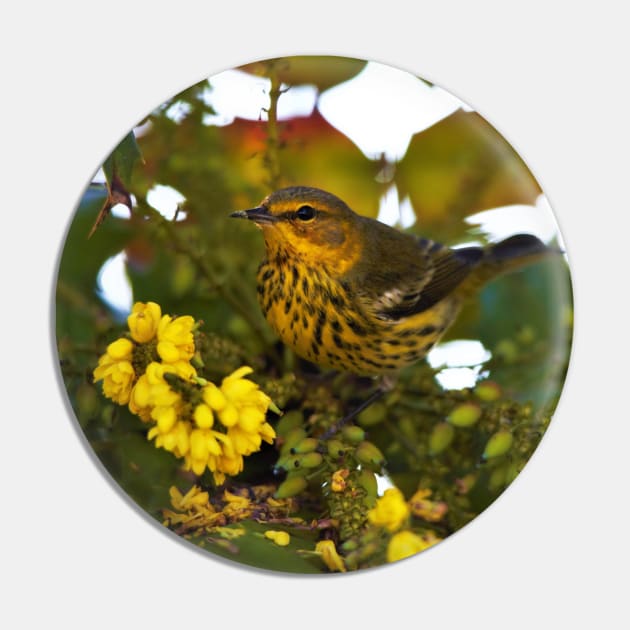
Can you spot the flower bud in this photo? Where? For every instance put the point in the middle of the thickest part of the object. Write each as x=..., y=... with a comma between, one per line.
x=307, y=445
x=336, y=448
x=120, y=349
x=310, y=460
x=441, y=437
x=367, y=480
x=292, y=438
x=498, y=444
x=488, y=391
x=369, y=455
x=353, y=434
x=290, y=487
x=143, y=321
x=497, y=478
x=374, y=414
x=464, y=415
x=287, y=462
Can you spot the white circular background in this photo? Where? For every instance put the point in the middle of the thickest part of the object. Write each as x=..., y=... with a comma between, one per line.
x=552, y=550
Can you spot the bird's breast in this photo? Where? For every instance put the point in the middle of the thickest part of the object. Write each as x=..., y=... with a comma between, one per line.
x=324, y=321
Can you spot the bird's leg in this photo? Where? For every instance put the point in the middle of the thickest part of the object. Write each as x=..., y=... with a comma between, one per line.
x=386, y=384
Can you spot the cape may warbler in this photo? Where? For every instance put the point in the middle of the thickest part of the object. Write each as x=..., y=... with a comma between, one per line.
x=351, y=293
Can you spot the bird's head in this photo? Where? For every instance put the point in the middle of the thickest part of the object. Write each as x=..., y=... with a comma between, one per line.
x=307, y=223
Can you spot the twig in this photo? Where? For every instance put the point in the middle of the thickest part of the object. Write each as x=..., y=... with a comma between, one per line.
x=272, y=157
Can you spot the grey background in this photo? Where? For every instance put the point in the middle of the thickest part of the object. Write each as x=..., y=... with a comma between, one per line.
x=551, y=79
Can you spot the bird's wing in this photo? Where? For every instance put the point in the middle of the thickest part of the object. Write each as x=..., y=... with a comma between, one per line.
x=443, y=269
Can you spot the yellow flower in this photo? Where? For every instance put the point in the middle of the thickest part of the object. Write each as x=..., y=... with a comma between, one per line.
x=153, y=399
x=267, y=433
x=160, y=392
x=203, y=417
x=391, y=511
x=230, y=463
x=328, y=553
x=116, y=371
x=193, y=499
x=236, y=506
x=192, y=509
x=175, y=338
x=280, y=538
x=183, y=424
x=151, y=390
x=405, y=544
x=205, y=448
x=431, y=511
x=338, y=480
x=143, y=321
x=241, y=407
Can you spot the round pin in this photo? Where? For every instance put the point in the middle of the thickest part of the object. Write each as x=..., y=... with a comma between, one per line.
x=313, y=314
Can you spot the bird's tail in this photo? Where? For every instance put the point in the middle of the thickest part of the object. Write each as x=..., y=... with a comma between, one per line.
x=508, y=255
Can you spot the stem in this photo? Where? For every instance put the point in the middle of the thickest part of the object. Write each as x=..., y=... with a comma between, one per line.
x=372, y=398
x=273, y=144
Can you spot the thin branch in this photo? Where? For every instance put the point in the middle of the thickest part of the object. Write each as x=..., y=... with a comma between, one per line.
x=272, y=156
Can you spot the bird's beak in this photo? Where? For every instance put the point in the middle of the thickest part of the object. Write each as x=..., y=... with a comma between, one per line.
x=259, y=215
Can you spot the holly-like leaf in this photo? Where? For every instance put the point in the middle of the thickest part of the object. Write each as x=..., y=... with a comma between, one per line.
x=118, y=168
x=121, y=160
x=254, y=549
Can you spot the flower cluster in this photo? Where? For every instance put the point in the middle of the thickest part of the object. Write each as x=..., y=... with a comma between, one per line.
x=209, y=426
x=154, y=338
x=196, y=514
x=392, y=513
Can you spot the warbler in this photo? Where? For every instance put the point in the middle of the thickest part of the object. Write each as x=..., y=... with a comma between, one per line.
x=347, y=292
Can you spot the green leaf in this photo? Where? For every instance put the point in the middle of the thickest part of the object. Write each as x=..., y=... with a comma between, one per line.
x=460, y=166
x=122, y=160
x=252, y=548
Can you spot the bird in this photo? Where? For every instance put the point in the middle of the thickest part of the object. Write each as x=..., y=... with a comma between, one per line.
x=352, y=294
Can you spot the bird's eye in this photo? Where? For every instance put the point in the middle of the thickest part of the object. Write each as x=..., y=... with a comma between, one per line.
x=305, y=213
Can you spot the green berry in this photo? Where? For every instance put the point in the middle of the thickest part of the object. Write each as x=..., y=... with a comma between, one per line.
x=367, y=480
x=353, y=434
x=369, y=455
x=336, y=448
x=290, y=487
x=464, y=415
x=309, y=460
x=307, y=445
x=441, y=437
x=375, y=413
x=488, y=391
x=292, y=438
x=498, y=444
